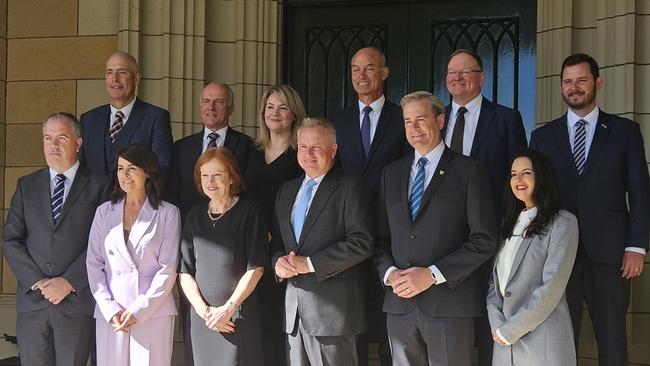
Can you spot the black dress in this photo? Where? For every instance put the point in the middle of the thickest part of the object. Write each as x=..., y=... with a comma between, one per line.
x=217, y=254
x=262, y=183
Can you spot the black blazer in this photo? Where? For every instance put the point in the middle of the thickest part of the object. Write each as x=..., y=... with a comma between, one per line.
x=388, y=144
x=455, y=230
x=336, y=236
x=611, y=197
x=499, y=134
x=147, y=125
x=35, y=248
x=181, y=190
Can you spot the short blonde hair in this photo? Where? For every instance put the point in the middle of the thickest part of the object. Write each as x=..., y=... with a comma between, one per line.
x=316, y=122
x=288, y=96
x=436, y=105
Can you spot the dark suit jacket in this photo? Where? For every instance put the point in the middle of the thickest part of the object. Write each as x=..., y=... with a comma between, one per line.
x=611, y=197
x=336, y=236
x=455, y=230
x=388, y=144
x=147, y=125
x=499, y=134
x=35, y=248
x=181, y=190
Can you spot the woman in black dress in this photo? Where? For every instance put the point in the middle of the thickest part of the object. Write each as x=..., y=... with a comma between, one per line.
x=273, y=163
x=224, y=250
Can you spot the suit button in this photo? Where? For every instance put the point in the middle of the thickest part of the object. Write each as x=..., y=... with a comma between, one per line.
x=48, y=264
x=507, y=294
x=412, y=236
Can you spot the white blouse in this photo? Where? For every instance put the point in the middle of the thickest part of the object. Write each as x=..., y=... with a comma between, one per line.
x=509, y=250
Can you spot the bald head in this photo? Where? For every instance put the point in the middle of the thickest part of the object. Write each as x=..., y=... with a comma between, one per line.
x=369, y=71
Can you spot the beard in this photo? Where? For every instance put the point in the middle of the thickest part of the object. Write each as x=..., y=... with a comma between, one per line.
x=587, y=98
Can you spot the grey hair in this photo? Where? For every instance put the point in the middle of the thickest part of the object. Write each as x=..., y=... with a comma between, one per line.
x=68, y=118
x=315, y=122
x=436, y=105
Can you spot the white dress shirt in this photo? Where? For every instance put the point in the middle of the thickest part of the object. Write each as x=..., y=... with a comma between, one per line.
x=433, y=158
x=509, y=250
x=471, y=121
x=376, y=106
x=220, y=140
x=126, y=111
x=318, y=180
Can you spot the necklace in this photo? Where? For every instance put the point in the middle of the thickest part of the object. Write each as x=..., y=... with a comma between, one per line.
x=215, y=218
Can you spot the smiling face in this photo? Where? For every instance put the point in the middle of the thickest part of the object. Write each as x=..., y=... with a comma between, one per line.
x=422, y=125
x=368, y=74
x=464, y=78
x=121, y=80
x=131, y=178
x=522, y=180
x=215, y=180
x=316, y=151
x=216, y=106
x=277, y=115
x=60, y=144
x=579, y=88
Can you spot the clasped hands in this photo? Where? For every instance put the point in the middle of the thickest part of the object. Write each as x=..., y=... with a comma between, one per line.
x=54, y=289
x=219, y=319
x=123, y=320
x=408, y=283
x=291, y=265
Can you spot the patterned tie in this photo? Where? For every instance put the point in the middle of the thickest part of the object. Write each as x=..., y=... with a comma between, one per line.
x=459, y=131
x=418, y=188
x=116, y=126
x=212, y=140
x=57, y=196
x=365, y=130
x=300, y=213
x=579, y=145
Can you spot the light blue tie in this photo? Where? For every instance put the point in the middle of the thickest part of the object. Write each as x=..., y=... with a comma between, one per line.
x=57, y=196
x=418, y=188
x=300, y=213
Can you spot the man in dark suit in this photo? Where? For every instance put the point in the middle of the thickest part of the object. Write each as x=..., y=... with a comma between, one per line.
x=45, y=240
x=486, y=131
x=216, y=107
x=604, y=181
x=322, y=231
x=125, y=120
x=370, y=135
x=436, y=227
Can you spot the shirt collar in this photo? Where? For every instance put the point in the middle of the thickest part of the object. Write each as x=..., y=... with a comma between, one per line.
x=221, y=132
x=472, y=106
x=126, y=110
x=433, y=155
x=69, y=174
x=376, y=106
x=572, y=118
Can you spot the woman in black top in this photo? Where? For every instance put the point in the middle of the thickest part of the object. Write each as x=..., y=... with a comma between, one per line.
x=273, y=163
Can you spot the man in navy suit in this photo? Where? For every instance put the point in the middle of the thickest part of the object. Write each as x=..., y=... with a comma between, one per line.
x=370, y=135
x=125, y=120
x=604, y=181
x=489, y=132
x=216, y=107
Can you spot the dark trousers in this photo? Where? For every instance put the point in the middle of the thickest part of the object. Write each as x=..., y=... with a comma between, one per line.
x=51, y=337
x=375, y=319
x=185, y=309
x=304, y=349
x=482, y=330
x=607, y=295
x=271, y=299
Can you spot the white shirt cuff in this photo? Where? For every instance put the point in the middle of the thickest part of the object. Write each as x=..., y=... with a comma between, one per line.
x=635, y=250
x=388, y=271
x=437, y=274
x=311, y=266
x=502, y=338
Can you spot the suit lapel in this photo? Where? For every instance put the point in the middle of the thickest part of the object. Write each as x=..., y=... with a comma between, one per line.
x=523, y=248
x=485, y=120
x=380, y=131
x=78, y=185
x=132, y=124
x=561, y=133
x=600, y=135
x=285, y=206
x=444, y=127
x=117, y=230
x=405, y=174
x=145, y=219
x=326, y=187
x=353, y=130
x=45, y=195
x=438, y=176
x=231, y=142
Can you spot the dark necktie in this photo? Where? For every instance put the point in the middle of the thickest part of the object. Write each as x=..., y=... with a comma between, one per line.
x=302, y=206
x=365, y=130
x=417, y=189
x=57, y=196
x=212, y=140
x=116, y=125
x=579, y=145
x=459, y=131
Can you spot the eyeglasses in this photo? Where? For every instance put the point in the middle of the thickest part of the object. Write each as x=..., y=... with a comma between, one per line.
x=461, y=73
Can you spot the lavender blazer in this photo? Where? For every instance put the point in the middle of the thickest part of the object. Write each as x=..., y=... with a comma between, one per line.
x=139, y=275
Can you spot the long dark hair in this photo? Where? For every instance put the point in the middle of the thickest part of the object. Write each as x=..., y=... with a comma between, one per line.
x=143, y=158
x=545, y=195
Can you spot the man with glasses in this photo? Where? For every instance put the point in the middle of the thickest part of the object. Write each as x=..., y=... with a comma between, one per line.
x=489, y=132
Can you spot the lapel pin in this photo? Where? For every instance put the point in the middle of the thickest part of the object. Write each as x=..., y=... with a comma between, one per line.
x=442, y=172
x=110, y=252
x=603, y=125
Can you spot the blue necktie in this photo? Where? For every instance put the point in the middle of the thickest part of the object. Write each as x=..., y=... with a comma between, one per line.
x=300, y=213
x=417, y=190
x=57, y=196
x=365, y=130
x=579, y=145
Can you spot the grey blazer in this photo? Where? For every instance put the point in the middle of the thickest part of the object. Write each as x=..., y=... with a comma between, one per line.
x=336, y=236
x=533, y=314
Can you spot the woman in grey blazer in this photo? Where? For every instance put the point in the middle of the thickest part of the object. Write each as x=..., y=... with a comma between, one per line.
x=526, y=301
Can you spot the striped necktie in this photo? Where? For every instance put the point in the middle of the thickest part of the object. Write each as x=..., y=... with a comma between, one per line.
x=417, y=190
x=212, y=140
x=579, y=145
x=117, y=124
x=57, y=196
